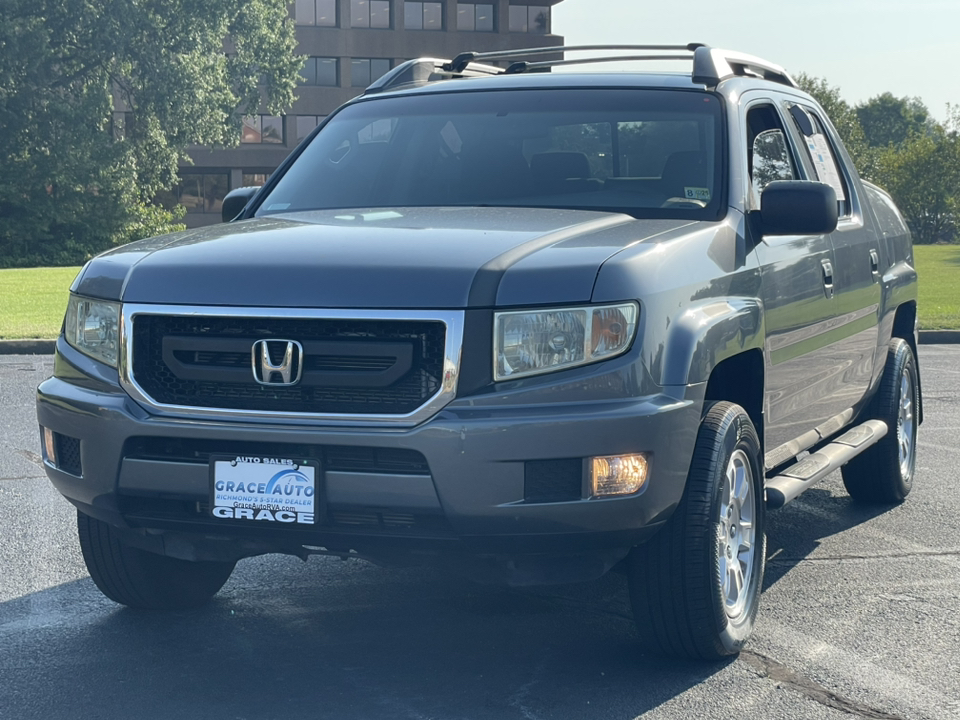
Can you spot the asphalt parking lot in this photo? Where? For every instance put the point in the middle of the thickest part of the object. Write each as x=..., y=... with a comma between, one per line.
x=860, y=618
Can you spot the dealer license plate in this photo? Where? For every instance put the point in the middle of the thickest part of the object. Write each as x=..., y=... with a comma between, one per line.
x=265, y=489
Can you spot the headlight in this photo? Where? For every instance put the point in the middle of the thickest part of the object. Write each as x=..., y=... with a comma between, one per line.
x=529, y=343
x=93, y=328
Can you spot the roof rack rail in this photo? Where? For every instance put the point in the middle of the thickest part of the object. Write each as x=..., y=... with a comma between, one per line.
x=421, y=71
x=710, y=65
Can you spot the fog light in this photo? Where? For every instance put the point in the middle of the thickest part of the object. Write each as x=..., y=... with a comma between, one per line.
x=618, y=474
x=49, y=453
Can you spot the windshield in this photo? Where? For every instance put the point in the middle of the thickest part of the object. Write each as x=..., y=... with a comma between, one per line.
x=649, y=153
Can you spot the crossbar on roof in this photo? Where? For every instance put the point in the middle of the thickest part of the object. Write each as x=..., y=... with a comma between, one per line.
x=461, y=61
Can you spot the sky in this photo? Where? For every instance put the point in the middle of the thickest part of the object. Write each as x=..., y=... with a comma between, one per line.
x=864, y=47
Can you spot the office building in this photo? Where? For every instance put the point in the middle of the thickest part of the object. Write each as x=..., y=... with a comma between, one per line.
x=348, y=44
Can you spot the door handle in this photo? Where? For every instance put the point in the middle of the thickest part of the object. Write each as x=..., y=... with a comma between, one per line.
x=827, y=277
x=874, y=262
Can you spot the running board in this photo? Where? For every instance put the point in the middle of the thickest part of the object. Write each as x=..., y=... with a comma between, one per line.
x=798, y=478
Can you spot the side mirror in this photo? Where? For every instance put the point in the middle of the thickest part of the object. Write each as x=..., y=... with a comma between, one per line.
x=236, y=201
x=792, y=207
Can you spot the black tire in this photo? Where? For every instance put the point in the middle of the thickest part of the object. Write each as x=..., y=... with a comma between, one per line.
x=677, y=578
x=145, y=580
x=881, y=474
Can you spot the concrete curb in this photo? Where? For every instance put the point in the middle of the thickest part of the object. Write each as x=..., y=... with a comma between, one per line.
x=46, y=347
x=939, y=337
x=27, y=347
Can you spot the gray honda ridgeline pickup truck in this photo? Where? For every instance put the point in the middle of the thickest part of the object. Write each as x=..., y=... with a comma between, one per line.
x=529, y=326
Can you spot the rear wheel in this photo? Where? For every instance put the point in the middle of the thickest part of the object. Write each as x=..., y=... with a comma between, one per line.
x=884, y=472
x=145, y=580
x=695, y=587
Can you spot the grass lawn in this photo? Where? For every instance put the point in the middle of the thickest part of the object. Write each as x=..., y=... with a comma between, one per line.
x=939, y=270
x=34, y=299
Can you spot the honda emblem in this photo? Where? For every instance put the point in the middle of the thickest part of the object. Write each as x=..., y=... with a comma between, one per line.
x=287, y=371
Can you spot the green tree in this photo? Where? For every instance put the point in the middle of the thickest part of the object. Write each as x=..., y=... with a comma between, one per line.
x=185, y=72
x=889, y=120
x=923, y=176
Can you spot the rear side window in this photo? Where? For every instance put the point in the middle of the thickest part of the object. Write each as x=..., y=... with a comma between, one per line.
x=819, y=154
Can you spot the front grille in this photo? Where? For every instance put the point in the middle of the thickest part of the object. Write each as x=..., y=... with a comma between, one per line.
x=349, y=366
x=333, y=458
x=375, y=519
x=553, y=480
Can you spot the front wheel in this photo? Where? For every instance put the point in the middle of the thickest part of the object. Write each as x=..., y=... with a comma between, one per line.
x=145, y=580
x=695, y=586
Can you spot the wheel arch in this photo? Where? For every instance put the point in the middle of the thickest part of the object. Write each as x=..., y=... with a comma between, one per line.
x=717, y=343
x=707, y=334
x=905, y=328
x=726, y=383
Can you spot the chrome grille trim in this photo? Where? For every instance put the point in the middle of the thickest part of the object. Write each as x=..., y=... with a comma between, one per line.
x=453, y=342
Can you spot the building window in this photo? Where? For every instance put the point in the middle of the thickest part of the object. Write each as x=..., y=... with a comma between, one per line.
x=364, y=71
x=200, y=192
x=320, y=71
x=370, y=14
x=254, y=179
x=262, y=129
x=316, y=12
x=474, y=17
x=423, y=16
x=530, y=19
x=379, y=131
x=306, y=124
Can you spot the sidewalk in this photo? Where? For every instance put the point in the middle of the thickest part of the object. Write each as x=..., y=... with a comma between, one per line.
x=46, y=347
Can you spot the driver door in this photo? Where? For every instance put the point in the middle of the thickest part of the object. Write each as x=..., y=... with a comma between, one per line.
x=799, y=304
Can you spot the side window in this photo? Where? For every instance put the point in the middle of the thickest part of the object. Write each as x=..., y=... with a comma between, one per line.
x=769, y=155
x=820, y=154
x=771, y=159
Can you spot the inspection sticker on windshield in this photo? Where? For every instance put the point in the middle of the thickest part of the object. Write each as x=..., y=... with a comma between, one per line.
x=697, y=193
x=264, y=489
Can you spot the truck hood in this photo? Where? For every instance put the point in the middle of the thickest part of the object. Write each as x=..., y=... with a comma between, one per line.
x=397, y=258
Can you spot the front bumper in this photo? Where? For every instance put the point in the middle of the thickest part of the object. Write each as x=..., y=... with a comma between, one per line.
x=150, y=476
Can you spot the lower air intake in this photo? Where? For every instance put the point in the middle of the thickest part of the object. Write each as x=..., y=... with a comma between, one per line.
x=553, y=480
